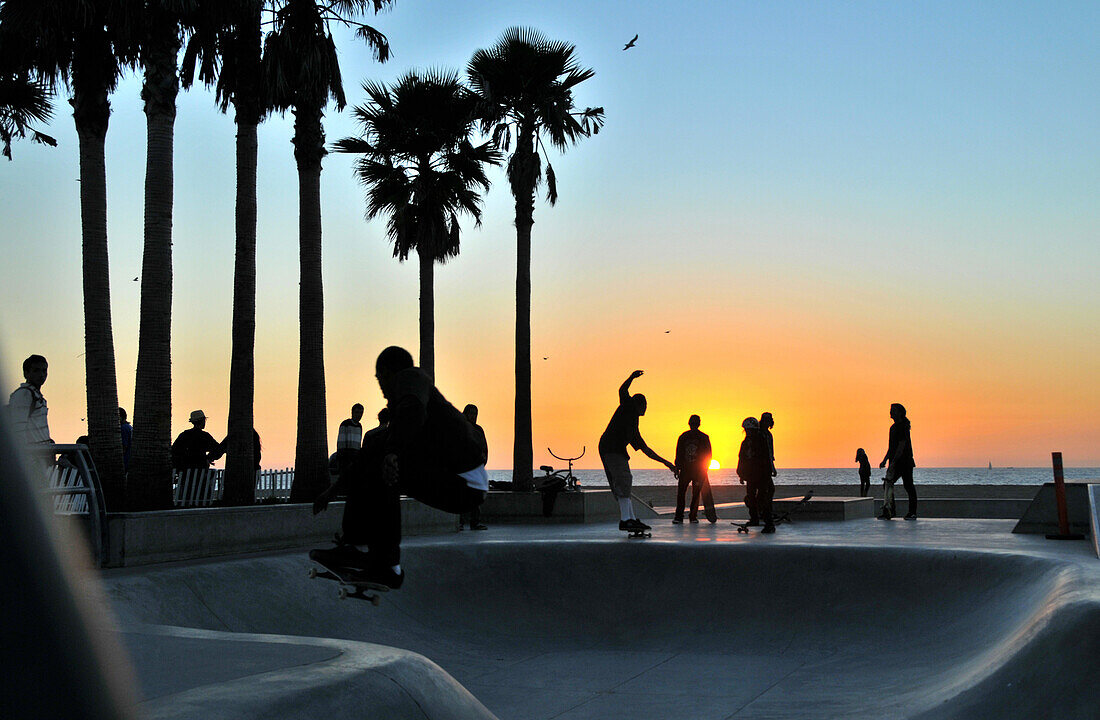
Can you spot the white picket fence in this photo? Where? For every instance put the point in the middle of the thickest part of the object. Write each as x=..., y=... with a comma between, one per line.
x=64, y=477
x=203, y=488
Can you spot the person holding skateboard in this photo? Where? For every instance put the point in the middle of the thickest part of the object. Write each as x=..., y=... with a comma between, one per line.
x=621, y=431
x=754, y=470
x=429, y=452
x=900, y=456
x=693, y=455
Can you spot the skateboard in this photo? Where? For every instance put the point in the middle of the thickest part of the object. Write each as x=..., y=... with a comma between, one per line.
x=783, y=517
x=359, y=589
x=638, y=533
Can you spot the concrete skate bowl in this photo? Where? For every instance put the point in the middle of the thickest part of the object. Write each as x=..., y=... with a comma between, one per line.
x=636, y=630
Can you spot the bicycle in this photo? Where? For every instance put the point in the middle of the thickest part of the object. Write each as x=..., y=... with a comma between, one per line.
x=562, y=478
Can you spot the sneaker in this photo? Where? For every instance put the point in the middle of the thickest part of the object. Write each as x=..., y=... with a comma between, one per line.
x=341, y=556
x=479, y=526
x=694, y=521
x=911, y=516
x=767, y=529
x=677, y=521
x=626, y=525
x=752, y=523
x=885, y=516
x=639, y=525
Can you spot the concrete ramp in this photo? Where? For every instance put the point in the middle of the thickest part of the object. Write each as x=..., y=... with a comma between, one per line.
x=587, y=626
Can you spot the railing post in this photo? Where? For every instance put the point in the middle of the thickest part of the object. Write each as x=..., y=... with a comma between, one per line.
x=1060, y=500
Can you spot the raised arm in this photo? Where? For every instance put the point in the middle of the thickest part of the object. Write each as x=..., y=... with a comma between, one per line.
x=624, y=389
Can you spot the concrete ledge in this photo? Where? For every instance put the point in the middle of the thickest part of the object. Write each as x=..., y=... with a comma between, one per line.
x=166, y=536
x=507, y=507
x=1041, y=516
x=827, y=508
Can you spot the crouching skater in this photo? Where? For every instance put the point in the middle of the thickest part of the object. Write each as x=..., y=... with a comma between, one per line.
x=429, y=452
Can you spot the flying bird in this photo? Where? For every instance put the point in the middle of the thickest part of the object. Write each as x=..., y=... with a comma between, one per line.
x=631, y=43
x=546, y=358
x=135, y=279
x=667, y=332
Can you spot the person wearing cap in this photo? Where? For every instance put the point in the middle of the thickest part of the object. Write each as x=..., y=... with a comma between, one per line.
x=754, y=471
x=193, y=447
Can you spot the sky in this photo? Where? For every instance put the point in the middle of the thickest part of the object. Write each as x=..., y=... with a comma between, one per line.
x=815, y=209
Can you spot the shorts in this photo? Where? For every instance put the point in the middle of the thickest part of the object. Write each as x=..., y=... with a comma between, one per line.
x=617, y=469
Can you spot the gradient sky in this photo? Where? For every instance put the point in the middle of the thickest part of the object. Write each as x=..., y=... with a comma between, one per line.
x=828, y=206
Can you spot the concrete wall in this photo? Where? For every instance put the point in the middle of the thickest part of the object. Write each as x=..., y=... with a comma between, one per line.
x=1041, y=516
x=170, y=535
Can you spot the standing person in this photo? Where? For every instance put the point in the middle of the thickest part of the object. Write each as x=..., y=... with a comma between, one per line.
x=900, y=456
x=693, y=453
x=473, y=518
x=766, y=425
x=753, y=468
x=27, y=405
x=193, y=447
x=127, y=431
x=621, y=431
x=349, y=439
x=257, y=448
x=428, y=452
x=864, y=472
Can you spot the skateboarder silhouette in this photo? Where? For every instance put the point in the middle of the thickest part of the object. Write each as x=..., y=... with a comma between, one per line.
x=429, y=452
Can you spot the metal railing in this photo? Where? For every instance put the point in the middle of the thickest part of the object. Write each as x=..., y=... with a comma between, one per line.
x=73, y=485
x=204, y=488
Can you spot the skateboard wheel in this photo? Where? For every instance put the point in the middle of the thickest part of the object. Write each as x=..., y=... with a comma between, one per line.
x=342, y=594
x=312, y=573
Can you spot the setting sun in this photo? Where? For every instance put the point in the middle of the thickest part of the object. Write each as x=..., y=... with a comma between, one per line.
x=715, y=465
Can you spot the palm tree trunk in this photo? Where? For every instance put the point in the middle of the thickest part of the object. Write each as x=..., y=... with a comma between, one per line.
x=523, y=189
x=149, y=483
x=91, y=111
x=427, y=312
x=311, y=454
x=240, y=478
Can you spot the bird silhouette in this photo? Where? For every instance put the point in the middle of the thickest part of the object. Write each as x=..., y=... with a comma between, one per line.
x=546, y=358
x=631, y=43
x=135, y=279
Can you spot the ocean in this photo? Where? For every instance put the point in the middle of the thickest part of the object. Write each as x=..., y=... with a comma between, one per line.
x=843, y=476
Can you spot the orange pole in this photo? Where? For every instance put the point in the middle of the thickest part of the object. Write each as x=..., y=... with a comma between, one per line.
x=1060, y=493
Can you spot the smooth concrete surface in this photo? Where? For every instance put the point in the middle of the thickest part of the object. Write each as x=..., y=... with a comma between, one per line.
x=1041, y=516
x=862, y=619
x=170, y=535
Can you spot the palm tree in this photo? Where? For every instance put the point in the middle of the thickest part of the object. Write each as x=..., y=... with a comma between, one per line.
x=420, y=169
x=87, y=48
x=301, y=73
x=149, y=482
x=526, y=86
x=23, y=101
x=226, y=48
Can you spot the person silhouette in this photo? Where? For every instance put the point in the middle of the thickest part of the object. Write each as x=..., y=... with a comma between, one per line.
x=621, y=431
x=767, y=422
x=473, y=518
x=900, y=456
x=429, y=452
x=864, y=472
x=693, y=453
x=754, y=470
